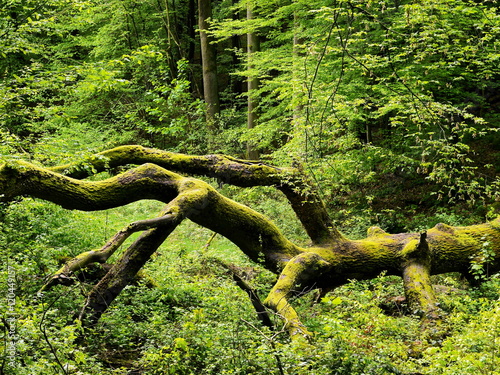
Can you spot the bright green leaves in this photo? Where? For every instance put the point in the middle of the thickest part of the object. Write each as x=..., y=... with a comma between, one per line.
x=480, y=263
x=36, y=29
x=414, y=78
x=175, y=115
x=417, y=80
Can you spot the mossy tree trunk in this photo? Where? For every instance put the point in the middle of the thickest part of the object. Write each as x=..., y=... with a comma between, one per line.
x=332, y=259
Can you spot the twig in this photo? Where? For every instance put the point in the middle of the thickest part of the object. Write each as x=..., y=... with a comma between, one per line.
x=46, y=338
x=206, y=246
x=259, y=307
x=271, y=342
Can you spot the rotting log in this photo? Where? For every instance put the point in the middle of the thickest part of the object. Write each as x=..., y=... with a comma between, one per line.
x=331, y=261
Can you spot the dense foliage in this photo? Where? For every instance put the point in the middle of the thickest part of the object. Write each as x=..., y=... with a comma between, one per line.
x=390, y=107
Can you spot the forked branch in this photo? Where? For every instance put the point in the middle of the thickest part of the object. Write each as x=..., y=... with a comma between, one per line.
x=335, y=261
x=228, y=170
x=64, y=274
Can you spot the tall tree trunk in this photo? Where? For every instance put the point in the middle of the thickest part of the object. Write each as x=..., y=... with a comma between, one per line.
x=172, y=44
x=237, y=81
x=298, y=108
x=253, y=45
x=191, y=21
x=209, y=62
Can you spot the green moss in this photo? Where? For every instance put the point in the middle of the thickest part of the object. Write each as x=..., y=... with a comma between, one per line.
x=376, y=232
x=455, y=246
x=410, y=248
x=301, y=268
x=418, y=289
x=444, y=228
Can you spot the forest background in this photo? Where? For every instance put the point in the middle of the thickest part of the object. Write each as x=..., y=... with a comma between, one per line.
x=391, y=108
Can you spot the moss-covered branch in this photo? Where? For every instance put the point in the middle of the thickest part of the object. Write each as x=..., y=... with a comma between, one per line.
x=123, y=272
x=304, y=267
x=417, y=278
x=256, y=235
x=145, y=182
x=64, y=274
x=228, y=170
x=412, y=256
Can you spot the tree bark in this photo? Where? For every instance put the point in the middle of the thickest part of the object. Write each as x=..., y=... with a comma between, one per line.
x=327, y=264
x=123, y=272
x=209, y=62
x=300, y=192
x=253, y=45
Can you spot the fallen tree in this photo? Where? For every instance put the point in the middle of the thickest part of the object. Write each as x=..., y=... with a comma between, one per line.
x=330, y=261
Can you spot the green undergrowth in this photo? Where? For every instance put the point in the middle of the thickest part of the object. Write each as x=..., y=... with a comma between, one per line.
x=187, y=316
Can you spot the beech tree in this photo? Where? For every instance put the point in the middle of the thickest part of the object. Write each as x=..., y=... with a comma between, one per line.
x=330, y=261
x=253, y=45
x=209, y=63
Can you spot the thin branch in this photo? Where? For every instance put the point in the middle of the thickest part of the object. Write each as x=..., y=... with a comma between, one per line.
x=63, y=275
x=46, y=338
x=271, y=342
x=206, y=246
x=259, y=307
